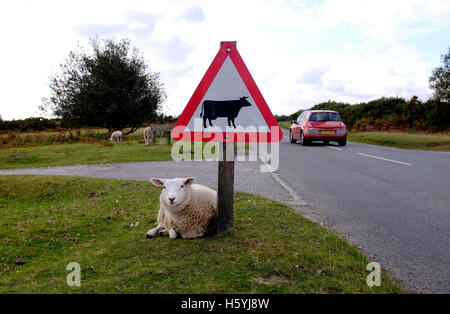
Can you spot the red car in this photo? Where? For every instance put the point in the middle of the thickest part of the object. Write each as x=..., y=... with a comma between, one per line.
x=318, y=125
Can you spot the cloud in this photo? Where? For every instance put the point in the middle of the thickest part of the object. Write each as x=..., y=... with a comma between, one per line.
x=135, y=23
x=90, y=30
x=194, y=14
x=175, y=50
x=147, y=19
x=313, y=75
x=299, y=52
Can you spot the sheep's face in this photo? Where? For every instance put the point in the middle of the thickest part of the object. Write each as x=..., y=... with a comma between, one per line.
x=174, y=190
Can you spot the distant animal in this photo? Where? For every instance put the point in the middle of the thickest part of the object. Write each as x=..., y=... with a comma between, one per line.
x=156, y=130
x=186, y=208
x=213, y=109
x=116, y=137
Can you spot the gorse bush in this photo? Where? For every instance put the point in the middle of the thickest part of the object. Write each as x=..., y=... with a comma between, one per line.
x=38, y=139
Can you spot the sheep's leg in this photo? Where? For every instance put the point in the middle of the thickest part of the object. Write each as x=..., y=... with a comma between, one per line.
x=193, y=234
x=163, y=232
x=172, y=234
x=152, y=232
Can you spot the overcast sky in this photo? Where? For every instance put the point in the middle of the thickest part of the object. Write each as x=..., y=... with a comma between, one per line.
x=299, y=52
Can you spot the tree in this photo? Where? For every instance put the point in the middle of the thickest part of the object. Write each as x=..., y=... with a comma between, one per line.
x=111, y=87
x=440, y=80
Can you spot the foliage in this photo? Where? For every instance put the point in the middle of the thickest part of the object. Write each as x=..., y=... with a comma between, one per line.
x=391, y=113
x=113, y=87
x=290, y=117
x=440, y=80
x=43, y=124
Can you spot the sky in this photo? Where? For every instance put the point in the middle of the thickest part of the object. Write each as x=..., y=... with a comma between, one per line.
x=299, y=53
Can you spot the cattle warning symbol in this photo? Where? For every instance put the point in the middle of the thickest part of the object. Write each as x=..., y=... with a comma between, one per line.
x=227, y=106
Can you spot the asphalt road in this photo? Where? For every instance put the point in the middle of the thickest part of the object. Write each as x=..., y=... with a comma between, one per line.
x=393, y=203
x=397, y=208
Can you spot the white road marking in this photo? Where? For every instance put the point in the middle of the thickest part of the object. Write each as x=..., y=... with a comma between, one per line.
x=334, y=147
x=398, y=162
x=296, y=199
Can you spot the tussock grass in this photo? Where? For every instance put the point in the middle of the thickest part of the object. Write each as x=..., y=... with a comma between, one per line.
x=50, y=221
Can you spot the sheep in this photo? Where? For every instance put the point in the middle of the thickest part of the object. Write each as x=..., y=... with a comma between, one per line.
x=156, y=130
x=148, y=132
x=116, y=137
x=185, y=208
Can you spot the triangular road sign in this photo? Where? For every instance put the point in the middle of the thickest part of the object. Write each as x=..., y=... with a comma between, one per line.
x=227, y=106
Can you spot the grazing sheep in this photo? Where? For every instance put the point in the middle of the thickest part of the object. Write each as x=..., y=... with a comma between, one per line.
x=185, y=208
x=116, y=137
x=156, y=130
x=147, y=134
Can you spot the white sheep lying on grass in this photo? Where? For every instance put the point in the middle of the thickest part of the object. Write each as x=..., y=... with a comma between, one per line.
x=116, y=137
x=185, y=208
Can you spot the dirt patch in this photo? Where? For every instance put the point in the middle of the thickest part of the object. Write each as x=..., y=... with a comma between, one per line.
x=273, y=280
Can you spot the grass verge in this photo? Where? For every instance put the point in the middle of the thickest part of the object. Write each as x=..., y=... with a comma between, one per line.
x=50, y=221
x=85, y=153
x=285, y=125
x=433, y=142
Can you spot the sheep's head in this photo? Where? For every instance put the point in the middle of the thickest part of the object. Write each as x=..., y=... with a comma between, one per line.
x=175, y=190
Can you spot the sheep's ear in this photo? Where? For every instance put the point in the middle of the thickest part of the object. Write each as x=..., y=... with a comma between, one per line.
x=158, y=182
x=189, y=181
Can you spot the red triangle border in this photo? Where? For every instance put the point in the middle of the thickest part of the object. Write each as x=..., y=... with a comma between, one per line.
x=227, y=49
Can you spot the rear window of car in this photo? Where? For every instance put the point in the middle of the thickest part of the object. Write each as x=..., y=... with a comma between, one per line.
x=324, y=116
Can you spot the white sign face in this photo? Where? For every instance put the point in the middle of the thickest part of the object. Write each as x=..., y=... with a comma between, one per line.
x=226, y=97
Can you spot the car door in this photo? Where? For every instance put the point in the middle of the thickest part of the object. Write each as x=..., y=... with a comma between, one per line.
x=303, y=122
x=296, y=127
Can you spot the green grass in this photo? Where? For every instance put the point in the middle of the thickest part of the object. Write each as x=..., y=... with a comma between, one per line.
x=285, y=125
x=86, y=146
x=50, y=221
x=434, y=142
x=82, y=153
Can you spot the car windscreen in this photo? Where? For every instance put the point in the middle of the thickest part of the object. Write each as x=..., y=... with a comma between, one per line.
x=325, y=116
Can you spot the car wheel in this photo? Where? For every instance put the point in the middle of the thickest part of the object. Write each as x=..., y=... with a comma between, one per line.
x=303, y=141
x=326, y=142
x=291, y=139
x=342, y=142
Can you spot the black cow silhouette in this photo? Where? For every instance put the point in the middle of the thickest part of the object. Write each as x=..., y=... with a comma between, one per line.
x=213, y=109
